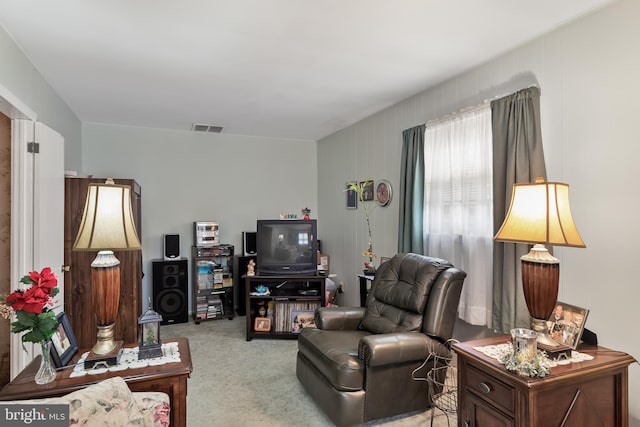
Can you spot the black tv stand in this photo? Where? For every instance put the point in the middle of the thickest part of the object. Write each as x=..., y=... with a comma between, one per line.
x=282, y=295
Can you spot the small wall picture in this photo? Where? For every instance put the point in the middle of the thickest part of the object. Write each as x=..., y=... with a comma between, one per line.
x=566, y=324
x=367, y=191
x=302, y=319
x=262, y=324
x=352, y=196
x=63, y=342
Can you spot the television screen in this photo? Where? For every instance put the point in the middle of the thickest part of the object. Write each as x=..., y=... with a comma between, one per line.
x=286, y=246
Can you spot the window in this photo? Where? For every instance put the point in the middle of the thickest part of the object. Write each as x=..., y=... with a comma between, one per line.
x=458, y=211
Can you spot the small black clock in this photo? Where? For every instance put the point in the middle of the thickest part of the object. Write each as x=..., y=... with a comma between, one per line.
x=383, y=192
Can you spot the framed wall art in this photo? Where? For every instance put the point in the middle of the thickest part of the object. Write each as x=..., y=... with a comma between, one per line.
x=63, y=342
x=352, y=196
x=367, y=190
x=566, y=324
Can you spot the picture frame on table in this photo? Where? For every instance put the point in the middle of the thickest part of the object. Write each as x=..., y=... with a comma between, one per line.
x=566, y=324
x=352, y=196
x=262, y=324
x=64, y=344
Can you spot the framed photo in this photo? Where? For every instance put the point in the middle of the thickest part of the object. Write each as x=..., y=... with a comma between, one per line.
x=566, y=324
x=323, y=262
x=367, y=191
x=352, y=196
x=63, y=342
x=302, y=319
x=262, y=324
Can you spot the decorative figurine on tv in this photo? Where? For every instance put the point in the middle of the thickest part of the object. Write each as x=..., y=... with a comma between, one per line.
x=306, y=212
x=251, y=268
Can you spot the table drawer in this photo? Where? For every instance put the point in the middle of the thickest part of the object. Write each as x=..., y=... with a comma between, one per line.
x=490, y=389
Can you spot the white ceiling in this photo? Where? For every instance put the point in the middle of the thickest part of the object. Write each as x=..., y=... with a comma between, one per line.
x=282, y=68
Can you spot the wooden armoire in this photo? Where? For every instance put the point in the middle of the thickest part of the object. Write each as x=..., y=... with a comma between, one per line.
x=78, y=300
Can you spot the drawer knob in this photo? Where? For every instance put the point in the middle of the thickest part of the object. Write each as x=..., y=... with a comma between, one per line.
x=485, y=388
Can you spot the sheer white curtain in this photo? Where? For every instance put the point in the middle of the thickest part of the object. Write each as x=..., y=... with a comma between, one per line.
x=458, y=211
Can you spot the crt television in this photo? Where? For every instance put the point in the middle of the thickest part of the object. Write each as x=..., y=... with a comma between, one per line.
x=286, y=247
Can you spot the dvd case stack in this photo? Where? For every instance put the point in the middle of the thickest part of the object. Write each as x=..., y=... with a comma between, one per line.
x=206, y=275
x=201, y=308
x=215, y=308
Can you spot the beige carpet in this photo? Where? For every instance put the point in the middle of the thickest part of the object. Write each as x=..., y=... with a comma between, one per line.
x=240, y=383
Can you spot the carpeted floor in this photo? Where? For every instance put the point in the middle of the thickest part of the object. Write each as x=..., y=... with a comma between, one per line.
x=240, y=383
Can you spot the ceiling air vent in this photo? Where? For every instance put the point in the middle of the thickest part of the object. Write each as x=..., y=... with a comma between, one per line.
x=206, y=128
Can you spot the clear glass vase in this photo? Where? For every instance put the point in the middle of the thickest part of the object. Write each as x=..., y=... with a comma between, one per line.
x=46, y=373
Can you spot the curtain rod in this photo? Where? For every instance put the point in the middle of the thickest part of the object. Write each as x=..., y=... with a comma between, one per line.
x=455, y=114
x=464, y=110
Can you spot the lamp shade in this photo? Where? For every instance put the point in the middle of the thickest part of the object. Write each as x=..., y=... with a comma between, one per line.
x=107, y=221
x=540, y=213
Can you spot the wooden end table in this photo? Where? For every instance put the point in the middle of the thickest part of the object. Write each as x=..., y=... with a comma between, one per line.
x=170, y=378
x=589, y=393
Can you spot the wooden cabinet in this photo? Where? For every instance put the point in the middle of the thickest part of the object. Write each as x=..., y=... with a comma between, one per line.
x=279, y=299
x=77, y=289
x=588, y=393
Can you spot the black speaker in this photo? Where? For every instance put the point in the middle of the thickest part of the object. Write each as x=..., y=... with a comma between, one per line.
x=170, y=290
x=171, y=247
x=249, y=243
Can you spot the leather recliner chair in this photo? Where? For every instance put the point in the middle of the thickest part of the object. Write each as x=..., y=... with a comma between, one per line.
x=357, y=364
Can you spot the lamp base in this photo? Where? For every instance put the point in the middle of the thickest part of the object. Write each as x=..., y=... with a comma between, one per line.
x=96, y=361
x=105, y=343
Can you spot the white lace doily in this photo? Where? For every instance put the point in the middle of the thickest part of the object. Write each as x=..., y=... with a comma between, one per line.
x=498, y=350
x=129, y=360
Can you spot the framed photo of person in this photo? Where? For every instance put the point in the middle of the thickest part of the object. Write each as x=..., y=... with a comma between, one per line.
x=566, y=324
x=262, y=324
x=63, y=342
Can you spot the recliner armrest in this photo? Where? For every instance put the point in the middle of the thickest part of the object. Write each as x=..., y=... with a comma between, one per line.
x=339, y=318
x=386, y=349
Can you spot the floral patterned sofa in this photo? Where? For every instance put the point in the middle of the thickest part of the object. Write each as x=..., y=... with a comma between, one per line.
x=110, y=403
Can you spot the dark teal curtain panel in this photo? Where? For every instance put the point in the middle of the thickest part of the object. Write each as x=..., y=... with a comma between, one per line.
x=410, y=234
x=517, y=157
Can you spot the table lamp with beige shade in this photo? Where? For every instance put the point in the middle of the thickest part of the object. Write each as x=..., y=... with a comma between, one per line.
x=107, y=225
x=540, y=214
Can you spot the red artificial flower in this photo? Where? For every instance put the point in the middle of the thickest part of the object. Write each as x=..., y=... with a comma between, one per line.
x=45, y=280
x=33, y=306
x=38, y=295
x=33, y=300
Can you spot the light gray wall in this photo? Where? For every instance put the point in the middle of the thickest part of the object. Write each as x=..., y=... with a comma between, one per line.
x=588, y=74
x=18, y=75
x=186, y=177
